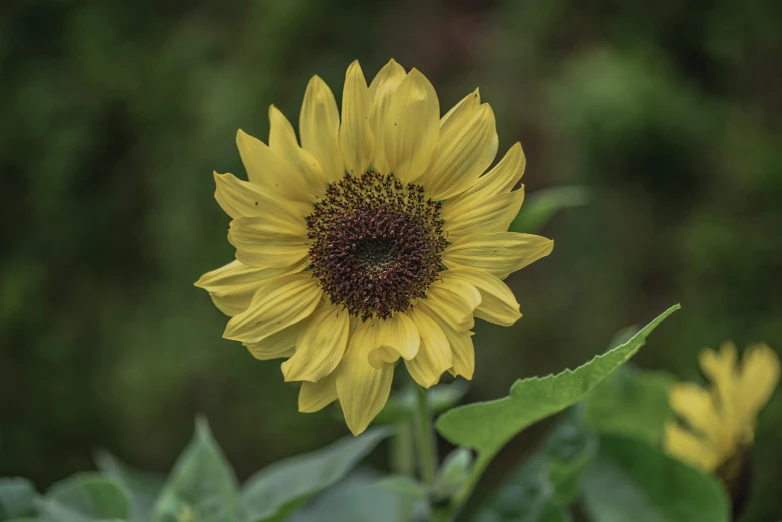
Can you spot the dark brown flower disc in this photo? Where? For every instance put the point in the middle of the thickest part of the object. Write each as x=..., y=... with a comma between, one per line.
x=376, y=245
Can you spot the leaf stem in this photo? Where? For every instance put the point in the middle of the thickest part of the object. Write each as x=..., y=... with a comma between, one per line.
x=457, y=503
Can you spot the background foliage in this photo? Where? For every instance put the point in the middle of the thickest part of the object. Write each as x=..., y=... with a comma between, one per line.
x=114, y=115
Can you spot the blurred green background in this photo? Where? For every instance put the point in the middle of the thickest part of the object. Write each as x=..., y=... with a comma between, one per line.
x=113, y=115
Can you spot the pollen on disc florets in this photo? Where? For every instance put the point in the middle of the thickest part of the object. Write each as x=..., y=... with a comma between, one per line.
x=376, y=244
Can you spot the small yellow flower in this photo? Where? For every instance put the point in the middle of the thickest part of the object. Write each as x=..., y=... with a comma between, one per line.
x=719, y=423
x=379, y=238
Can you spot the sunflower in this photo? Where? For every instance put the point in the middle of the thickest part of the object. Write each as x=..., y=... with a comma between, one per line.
x=716, y=426
x=380, y=238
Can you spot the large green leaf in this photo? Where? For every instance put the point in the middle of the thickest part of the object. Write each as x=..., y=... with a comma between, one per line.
x=285, y=484
x=202, y=487
x=543, y=486
x=488, y=426
x=357, y=500
x=632, y=480
x=85, y=497
x=631, y=402
x=144, y=488
x=403, y=486
x=528, y=496
x=16, y=498
x=567, y=453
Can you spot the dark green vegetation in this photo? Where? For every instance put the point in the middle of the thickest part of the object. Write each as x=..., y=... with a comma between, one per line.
x=114, y=114
x=617, y=477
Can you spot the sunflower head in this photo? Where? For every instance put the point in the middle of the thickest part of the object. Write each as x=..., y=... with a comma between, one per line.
x=716, y=425
x=376, y=237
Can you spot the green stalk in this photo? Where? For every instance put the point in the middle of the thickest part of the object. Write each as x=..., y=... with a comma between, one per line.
x=457, y=503
x=403, y=450
x=403, y=462
x=427, y=454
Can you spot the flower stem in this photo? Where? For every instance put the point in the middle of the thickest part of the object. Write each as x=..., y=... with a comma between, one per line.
x=403, y=450
x=403, y=462
x=426, y=438
x=457, y=503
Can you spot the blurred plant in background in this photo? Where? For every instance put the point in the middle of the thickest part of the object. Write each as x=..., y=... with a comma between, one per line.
x=115, y=113
x=202, y=486
x=606, y=457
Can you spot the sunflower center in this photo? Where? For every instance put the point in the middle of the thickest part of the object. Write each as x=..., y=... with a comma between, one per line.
x=376, y=255
x=376, y=244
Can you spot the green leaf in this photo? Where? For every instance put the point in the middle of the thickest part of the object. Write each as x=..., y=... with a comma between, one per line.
x=568, y=452
x=202, y=487
x=548, y=481
x=443, y=396
x=541, y=206
x=632, y=403
x=285, y=484
x=144, y=488
x=23, y=520
x=403, y=486
x=632, y=480
x=357, y=500
x=402, y=405
x=395, y=411
x=488, y=426
x=453, y=473
x=85, y=497
x=528, y=496
x=16, y=497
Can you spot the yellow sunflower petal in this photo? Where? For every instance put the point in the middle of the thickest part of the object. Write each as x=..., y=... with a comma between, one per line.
x=460, y=340
x=492, y=214
x=458, y=112
x=454, y=301
x=434, y=355
x=267, y=170
x=501, y=179
x=278, y=345
x=282, y=140
x=498, y=304
x=243, y=199
x=462, y=349
x=397, y=337
x=381, y=91
x=463, y=154
x=320, y=345
x=277, y=304
x=695, y=405
x=232, y=286
x=314, y=396
x=412, y=127
x=687, y=447
x=720, y=369
x=463, y=353
x=355, y=134
x=499, y=253
x=362, y=389
x=758, y=379
x=271, y=241
x=719, y=365
x=319, y=128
